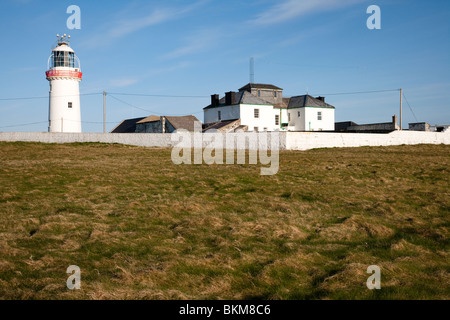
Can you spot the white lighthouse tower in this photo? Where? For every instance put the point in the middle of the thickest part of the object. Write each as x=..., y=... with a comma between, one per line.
x=64, y=75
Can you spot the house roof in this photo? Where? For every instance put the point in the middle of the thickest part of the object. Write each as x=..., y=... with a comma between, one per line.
x=259, y=86
x=184, y=122
x=149, y=119
x=306, y=101
x=283, y=105
x=127, y=126
x=220, y=124
x=243, y=97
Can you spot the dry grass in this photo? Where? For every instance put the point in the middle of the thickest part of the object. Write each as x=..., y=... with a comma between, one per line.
x=140, y=227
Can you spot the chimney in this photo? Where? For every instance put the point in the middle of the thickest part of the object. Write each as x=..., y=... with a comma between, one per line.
x=321, y=99
x=214, y=100
x=394, y=122
x=229, y=97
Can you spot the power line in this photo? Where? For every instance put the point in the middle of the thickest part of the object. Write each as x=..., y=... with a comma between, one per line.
x=129, y=104
x=46, y=97
x=94, y=122
x=146, y=110
x=155, y=95
x=315, y=66
x=357, y=92
x=24, y=124
x=410, y=107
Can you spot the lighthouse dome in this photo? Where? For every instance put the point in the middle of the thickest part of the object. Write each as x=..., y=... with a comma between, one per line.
x=63, y=47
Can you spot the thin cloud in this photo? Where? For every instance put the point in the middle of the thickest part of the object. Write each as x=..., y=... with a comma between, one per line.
x=129, y=81
x=195, y=43
x=132, y=25
x=291, y=9
x=126, y=26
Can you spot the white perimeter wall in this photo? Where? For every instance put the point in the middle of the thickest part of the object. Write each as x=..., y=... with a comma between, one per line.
x=288, y=140
x=310, y=140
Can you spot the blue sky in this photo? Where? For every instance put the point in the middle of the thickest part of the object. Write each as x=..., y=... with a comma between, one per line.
x=198, y=48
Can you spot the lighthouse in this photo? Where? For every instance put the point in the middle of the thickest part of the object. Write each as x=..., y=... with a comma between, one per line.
x=64, y=75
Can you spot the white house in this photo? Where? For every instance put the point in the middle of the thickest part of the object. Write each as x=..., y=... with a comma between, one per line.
x=262, y=107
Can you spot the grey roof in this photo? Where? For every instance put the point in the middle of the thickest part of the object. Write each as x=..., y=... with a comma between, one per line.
x=259, y=86
x=242, y=97
x=127, y=126
x=184, y=122
x=307, y=101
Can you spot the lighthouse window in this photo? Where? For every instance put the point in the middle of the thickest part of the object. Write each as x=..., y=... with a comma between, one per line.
x=63, y=59
x=71, y=60
x=66, y=59
x=70, y=105
x=58, y=59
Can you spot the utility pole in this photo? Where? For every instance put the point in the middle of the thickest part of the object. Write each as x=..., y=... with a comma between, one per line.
x=104, y=112
x=401, y=108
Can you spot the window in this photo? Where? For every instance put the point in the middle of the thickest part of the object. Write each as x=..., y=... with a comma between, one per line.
x=277, y=120
x=259, y=93
x=275, y=94
x=71, y=59
x=256, y=112
x=289, y=116
x=69, y=105
x=58, y=59
x=63, y=59
x=256, y=129
x=219, y=115
x=298, y=113
x=319, y=115
x=66, y=59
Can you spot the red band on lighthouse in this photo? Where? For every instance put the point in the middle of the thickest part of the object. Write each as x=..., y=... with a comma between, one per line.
x=63, y=74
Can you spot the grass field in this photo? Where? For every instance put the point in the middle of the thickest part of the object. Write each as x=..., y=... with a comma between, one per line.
x=140, y=227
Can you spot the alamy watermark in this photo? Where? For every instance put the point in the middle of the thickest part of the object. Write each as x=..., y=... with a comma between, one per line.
x=74, y=21
x=210, y=147
x=374, y=281
x=74, y=280
x=374, y=21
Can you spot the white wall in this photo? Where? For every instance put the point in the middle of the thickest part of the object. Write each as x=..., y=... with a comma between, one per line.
x=227, y=113
x=284, y=116
x=326, y=124
x=297, y=122
x=137, y=139
x=309, y=114
x=311, y=140
x=288, y=140
x=266, y=117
